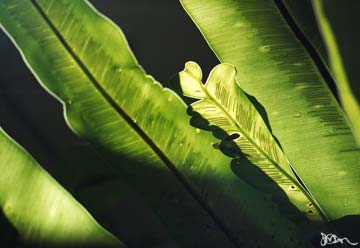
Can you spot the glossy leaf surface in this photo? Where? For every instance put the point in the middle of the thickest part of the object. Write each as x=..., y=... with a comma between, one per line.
x=304, y=116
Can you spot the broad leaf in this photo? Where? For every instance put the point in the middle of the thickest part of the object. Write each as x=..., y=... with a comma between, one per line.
x=39, y=209
x=304, y=116
x=225, y=105
x=342, y=46
x=84, y=60
x=104, y=191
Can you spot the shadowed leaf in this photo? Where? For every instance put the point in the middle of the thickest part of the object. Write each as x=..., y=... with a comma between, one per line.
x=342, y=46
x=303, y=15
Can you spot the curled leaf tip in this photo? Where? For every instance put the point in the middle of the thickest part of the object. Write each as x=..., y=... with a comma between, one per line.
x=194, y=69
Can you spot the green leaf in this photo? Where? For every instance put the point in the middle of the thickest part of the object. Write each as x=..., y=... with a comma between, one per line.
x=40, y=210
x=223, y=104
x=304, y=116
x=301, y=11
x=342, y=45
x=333, y=18
x=83, y=60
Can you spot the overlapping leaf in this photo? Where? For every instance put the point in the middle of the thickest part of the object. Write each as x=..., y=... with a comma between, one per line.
x=275, y=68
x=225, y=105
x=39, y=209
x=84, y=60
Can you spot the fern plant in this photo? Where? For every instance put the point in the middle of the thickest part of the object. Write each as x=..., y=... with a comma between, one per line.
x=247, y=159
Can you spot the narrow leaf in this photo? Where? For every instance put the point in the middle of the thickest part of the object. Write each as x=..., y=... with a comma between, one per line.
x=302, y=13
x=40, y=210
x=339, y=38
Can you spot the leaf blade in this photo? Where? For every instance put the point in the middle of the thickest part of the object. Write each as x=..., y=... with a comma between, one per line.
x=39, y=208
x=274, y=67
x=225, y=105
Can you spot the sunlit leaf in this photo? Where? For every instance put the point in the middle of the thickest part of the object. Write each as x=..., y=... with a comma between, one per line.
x=304, y=116
x=84, y=60
x=225, y=105
x=39, y=209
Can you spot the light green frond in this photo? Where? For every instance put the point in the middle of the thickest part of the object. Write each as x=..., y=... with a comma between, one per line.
x=225, y=105
x=84, y=60
x=40, y=210
x=276, y=69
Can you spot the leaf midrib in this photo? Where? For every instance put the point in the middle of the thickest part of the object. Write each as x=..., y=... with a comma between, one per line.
x=222, y=226
x=300, y=187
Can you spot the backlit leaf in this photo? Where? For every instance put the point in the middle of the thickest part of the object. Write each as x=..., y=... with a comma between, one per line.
x=84, y=60
x=225, y=105
x=40, y=210
x=304, y=116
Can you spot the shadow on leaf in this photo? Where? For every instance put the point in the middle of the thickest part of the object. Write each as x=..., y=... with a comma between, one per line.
x=254, y=176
